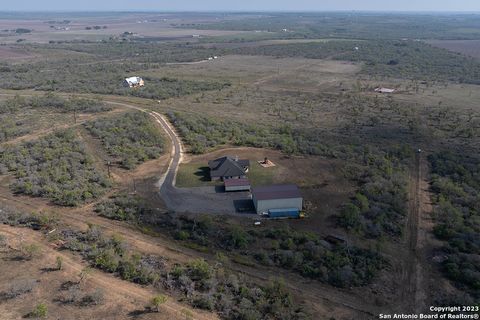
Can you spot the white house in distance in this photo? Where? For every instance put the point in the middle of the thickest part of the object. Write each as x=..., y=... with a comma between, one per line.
x=133, y=82
x=384, y=90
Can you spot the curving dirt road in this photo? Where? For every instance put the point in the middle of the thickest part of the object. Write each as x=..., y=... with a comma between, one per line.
x=209, y=201
x=189, y=200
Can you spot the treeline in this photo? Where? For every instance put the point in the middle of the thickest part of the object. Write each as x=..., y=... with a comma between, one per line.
x=15, y=113
x=304, y=253
x=55, y=102
x=385, y=58
x=100, y=78
x=379, y=206
x=352, y=26
x=164, y=88
x=202, y=133
x=202, y=285
x=132, y=138
x=141, y=51
x=56, y=167
x=456, y=185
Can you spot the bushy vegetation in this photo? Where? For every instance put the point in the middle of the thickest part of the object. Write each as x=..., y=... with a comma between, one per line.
x=202, y=133
x=16, y=118
x=122, y=207
x=55, y=102
x=199, y=283
x=102, y=78
x=54, y=167
x=351, y=26
x=140, y=51
x=18, y=288
x=379, y=207
x=164, y=88
x=97, y=73
x=133, y=138
x=456, y=184
x=385, y=58
x=304, y=253
x=11, y=128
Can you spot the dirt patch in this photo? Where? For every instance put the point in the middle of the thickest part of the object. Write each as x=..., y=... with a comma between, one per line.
x=122, y=299
x=266, y=163
x=321, y=181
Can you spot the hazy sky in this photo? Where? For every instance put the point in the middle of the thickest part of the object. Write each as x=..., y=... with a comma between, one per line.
x=236, y=5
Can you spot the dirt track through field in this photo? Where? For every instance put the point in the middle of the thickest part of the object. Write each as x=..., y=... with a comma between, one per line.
x=411, y=270
x=317, y=293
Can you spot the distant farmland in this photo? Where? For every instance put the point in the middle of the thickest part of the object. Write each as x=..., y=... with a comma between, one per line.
x=467, y=47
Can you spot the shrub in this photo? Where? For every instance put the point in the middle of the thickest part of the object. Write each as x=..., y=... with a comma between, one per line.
x=133, y=138
x=93, y=299
x=158, y=300
x=40, y=311
x=59, y=263
x=55, y=167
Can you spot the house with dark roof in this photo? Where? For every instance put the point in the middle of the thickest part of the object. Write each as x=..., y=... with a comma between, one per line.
x=228, y=168
x=277, y=197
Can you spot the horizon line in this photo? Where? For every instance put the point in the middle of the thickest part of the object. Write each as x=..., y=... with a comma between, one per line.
x=239, y=11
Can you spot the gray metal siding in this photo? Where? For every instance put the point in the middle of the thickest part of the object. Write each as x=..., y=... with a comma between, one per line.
x=237, y=188
x=265, y=205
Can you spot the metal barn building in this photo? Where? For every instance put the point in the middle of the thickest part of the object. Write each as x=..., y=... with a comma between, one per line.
x=276, y=197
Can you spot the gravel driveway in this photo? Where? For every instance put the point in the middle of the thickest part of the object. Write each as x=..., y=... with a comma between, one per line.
x=194, y=200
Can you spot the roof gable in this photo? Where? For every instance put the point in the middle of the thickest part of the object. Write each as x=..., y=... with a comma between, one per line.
x=227, y=167
x=276, y=192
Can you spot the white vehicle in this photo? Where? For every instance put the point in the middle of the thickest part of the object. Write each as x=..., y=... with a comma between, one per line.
x=257, y=223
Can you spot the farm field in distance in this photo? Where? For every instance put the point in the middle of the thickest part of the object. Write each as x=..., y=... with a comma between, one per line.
x=107, y=205
x=467, y=47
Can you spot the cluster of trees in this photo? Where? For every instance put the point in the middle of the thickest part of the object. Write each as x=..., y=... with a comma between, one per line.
x=164, y=88
x=203, y=285
x=123, y=207
x=387, y=58
x=379, y=206
x=199, y=283
x=60, y=104
x=202, y=133
x=56, y=167
x=144, y=52
x=11, y=128
x=96, y=27
x=133, y=137
x=102, y=78
x=304, y=253
x=15, y=113
x=53, y=101
x=344, y=25
x=456, y=184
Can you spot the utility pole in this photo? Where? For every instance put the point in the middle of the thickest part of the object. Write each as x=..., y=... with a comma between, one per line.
x=74, y=115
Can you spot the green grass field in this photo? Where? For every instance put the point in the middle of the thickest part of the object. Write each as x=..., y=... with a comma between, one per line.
x=194, y=175
x=197, y=175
